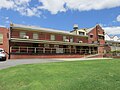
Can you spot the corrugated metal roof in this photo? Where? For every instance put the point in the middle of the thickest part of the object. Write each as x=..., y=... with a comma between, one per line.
x=26, y=27
x=37, y=28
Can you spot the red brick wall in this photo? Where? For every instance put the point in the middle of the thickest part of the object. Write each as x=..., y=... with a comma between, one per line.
x=95, y=31
x=84, y=39
x=14, y=34
x=45, y=56
x=102, y=42
x=30, y=34
x=107, y=48
x=42, y=36
x=46, y=36
x=100, y=49
x=5, y=44
x=59, y=37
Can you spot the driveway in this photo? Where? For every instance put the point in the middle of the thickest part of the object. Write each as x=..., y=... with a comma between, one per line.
x=11, y=63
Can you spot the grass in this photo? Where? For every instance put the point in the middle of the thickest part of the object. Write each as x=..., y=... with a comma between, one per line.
x=77, y=75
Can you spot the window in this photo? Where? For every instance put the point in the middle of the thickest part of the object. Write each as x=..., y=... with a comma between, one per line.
x=71, y=39
x=35, y=35
x=1, y=38
x=91, y=36
x=103, y=33
x=81, y=33
x=22, y=34
x=101, y=37
x=52, y=37
x=64, y=37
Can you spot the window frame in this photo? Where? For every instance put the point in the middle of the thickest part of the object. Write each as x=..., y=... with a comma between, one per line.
x=91, y=36
x=1, y=38
x=52, y=37
x=34, y=36
x=64, y=37
x=71, y=39
x=21, y=34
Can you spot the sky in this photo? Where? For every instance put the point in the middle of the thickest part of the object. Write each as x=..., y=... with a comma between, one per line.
x=62, y=14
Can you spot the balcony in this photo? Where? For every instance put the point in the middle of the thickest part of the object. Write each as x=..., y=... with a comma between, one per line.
x=39, y=50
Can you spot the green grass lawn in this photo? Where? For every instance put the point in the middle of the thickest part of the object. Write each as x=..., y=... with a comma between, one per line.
x=77, y=75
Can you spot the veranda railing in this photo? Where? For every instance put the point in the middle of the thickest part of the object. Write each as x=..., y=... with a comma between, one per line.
x=40, y=50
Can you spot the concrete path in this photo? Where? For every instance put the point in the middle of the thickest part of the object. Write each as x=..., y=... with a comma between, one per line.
x=11, y=63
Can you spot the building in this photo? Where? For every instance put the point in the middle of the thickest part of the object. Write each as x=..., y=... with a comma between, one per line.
x=4, y=39
x=113, y=42
x=95, y=36
x=21, y=41
x=35, y=42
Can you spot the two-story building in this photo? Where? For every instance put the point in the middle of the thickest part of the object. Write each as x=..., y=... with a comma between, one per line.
x=113, y=42
x=4, y=39
x=95, y=36
x=35, y=42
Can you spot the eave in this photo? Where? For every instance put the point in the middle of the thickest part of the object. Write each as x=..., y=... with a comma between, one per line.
x=50, y=42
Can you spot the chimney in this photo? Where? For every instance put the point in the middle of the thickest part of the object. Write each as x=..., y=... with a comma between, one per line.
x=75, y=27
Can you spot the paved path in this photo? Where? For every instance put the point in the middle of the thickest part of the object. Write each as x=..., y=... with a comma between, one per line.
x=11, y=63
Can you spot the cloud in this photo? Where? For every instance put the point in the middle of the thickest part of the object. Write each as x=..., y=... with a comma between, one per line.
x=6, y=18
x=25, y=9
x=112, y=30
x=21, y=6
x=8, y=4
x=55, y=6
x=28, y=11
x=118, y=18
x=22, y=2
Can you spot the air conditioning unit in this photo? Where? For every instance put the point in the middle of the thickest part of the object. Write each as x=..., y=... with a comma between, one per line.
x=80, y=41
x=26, y=37
x=66, y=40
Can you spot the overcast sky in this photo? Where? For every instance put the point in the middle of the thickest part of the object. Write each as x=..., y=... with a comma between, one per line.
x=62, y=14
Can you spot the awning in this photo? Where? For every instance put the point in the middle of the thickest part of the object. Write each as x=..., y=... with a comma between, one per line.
x=50, y=42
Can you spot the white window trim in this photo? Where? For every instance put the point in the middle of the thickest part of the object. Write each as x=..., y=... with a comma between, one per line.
x=22, y=34
x=71, y=39
x=52, y=37
x=35, y=36
x=64, y=37
x=1, y=38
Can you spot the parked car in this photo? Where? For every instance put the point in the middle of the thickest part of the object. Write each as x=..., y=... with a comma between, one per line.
x=2, y=55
